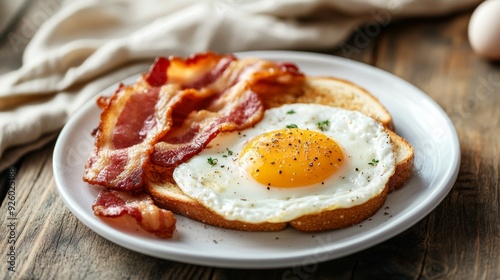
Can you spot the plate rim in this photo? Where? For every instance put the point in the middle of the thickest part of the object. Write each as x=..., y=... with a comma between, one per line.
x=122, y=239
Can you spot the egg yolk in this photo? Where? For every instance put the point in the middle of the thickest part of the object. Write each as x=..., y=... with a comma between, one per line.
x=291, y=157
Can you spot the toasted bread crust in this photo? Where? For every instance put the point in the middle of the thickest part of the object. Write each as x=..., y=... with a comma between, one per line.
x=198, y=212
x=342, y=217
x=404, y=161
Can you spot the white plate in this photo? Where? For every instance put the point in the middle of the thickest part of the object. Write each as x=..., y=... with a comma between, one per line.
x=416, y=117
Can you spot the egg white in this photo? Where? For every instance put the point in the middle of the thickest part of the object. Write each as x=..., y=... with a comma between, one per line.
x=215, y=178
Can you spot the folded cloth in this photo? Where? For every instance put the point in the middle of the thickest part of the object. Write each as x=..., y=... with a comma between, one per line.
x=89, y=45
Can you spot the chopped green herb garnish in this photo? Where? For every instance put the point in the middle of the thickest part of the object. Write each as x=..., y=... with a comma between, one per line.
x=292, y=126
x=212, y=161
x=229, y=153
x=291, y=112
x=373, y=162
x=323, y=126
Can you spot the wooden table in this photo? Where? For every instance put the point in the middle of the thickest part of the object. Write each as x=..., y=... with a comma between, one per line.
x=460, y=239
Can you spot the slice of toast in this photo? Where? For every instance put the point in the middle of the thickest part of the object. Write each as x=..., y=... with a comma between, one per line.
x=336, y=93
x=168, y=195
x=326, y=91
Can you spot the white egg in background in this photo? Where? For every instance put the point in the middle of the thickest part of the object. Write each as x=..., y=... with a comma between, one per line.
x=484, y=30
x=218, y=177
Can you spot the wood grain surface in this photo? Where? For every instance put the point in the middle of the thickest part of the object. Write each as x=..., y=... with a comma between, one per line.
x=460, y=239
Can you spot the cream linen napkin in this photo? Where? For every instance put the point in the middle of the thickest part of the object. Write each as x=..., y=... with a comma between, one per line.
x=89, y=45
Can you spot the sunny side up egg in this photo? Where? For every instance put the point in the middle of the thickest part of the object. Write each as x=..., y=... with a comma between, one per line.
x=299, y=159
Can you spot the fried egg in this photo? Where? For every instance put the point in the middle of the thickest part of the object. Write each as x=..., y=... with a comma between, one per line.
x=299, y=159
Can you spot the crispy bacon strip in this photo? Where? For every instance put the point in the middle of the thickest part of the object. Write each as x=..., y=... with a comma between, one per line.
x=199, y=70
x=133, y=119
x=141, y=207
x=201, y=127
x=232, y=104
